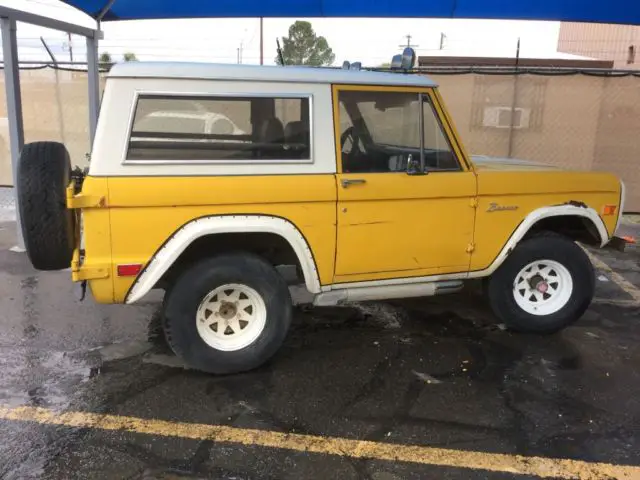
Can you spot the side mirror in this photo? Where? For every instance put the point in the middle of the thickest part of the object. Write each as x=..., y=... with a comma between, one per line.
x=413, y=166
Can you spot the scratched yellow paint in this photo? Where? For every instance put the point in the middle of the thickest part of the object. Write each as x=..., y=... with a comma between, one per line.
x=344, y=447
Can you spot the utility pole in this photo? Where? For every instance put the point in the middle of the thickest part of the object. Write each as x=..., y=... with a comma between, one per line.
x=408, y=45
x=261, y=41
x=70, y=47
x=239, y=52
x=514, y=100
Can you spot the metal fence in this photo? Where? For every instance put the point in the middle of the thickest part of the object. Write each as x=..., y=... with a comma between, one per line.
x=580, y=120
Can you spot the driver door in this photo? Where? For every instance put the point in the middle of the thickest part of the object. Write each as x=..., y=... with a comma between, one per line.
x=396, y=219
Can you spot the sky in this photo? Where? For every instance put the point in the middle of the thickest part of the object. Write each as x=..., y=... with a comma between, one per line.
x=370, y=41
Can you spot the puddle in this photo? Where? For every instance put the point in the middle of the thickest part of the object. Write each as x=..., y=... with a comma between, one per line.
x=119, y=351
x=31, y=376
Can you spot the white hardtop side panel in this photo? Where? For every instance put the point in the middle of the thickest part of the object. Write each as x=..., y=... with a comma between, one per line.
x=211, y=71
x=116, y=117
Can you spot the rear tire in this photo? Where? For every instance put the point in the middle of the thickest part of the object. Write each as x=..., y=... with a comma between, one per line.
x=544, y=285
x=227, y=314
x=48, y=227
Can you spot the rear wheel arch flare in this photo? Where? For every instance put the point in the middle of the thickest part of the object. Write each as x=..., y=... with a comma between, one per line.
x=182, y=238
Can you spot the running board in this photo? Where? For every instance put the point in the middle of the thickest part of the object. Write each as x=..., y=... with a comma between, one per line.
x=385, y=292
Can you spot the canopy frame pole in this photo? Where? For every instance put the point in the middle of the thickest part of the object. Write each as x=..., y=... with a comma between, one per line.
x=14, y=110
x=8, y=18
x=93, y=77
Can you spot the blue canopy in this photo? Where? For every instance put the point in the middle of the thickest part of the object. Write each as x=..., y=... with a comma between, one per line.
x=613, y=11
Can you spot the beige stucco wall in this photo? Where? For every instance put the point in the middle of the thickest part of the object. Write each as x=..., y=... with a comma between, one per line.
x=577, y=121
x=602, y=41
x=584, y=122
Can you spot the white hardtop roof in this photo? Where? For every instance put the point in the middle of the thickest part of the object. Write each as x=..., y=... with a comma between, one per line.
x=262, y=73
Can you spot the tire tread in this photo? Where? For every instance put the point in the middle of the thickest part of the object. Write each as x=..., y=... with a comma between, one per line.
x=561, y=249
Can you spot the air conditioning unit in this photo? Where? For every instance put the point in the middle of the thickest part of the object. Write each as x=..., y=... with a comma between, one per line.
x=500, y=117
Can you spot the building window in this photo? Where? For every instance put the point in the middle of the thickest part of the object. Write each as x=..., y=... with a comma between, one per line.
x=631, y=55
x=220, y=129
x=506, y=117
x=493, y=97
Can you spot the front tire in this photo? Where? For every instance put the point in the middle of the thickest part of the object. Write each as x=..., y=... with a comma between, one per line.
x=544, y=285
x=227, y=314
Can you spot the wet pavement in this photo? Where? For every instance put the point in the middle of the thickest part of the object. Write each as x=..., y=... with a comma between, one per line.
x=432, y=372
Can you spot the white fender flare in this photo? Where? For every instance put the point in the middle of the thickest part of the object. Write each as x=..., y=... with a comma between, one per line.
x=187, y=234
x=532, y=218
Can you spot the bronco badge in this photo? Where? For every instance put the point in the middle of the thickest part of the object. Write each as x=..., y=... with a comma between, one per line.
x=494, y=207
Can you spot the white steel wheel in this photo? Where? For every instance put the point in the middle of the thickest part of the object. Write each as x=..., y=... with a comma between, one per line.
x=231, y=317
x=543, y=287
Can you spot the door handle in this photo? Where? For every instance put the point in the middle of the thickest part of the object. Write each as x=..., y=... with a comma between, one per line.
x=352, y=181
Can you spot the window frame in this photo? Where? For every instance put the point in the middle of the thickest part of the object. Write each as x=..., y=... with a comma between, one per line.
x=217, y=96
x=428, y=95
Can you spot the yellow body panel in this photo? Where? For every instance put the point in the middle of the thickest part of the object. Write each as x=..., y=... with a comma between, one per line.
x=399, y=225
x=96, y=228
x=530, y=190
x=392, y=225
x=146, y=211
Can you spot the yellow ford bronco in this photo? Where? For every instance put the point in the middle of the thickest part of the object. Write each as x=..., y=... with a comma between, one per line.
x=205, y=180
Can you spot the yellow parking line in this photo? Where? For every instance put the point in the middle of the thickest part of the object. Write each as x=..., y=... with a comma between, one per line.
x=618, y=279
x=495, y=462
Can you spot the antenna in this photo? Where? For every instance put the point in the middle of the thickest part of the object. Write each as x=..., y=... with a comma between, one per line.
x=280, y=56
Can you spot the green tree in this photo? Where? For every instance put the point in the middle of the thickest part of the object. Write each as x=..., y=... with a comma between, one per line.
x=304, y=47
x=105, y=57
x=130, y=57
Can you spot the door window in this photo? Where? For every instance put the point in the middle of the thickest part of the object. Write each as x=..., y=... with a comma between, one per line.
x=380, y=132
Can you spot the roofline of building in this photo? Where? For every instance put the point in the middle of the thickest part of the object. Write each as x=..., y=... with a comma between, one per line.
x=453, y=61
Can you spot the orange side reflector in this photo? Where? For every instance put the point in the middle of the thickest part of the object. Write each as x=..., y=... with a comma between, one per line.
x=129, y=270
x=609, y=210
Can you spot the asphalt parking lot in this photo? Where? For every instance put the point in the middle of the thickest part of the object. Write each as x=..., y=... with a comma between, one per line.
x=410, y=389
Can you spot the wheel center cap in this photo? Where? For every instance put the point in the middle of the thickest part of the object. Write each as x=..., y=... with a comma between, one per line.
x=538, y=283
x=227, y=310
x=542, y=286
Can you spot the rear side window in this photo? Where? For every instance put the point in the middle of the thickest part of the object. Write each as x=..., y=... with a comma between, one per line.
x=220, y=129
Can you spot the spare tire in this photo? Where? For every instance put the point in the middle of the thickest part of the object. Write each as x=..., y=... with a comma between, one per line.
x=48, y=226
